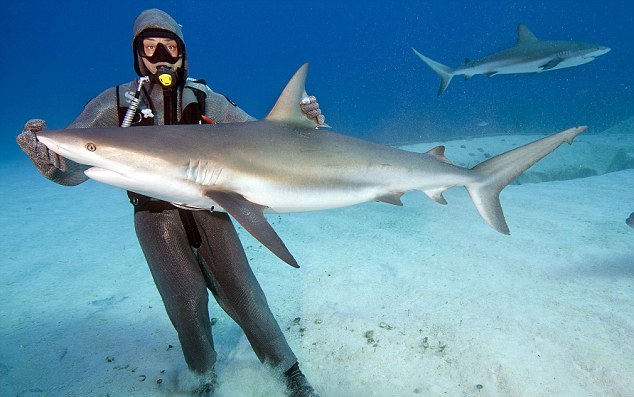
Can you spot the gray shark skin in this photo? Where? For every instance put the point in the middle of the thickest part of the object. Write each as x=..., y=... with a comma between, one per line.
x=283, y=164
x=529, y=55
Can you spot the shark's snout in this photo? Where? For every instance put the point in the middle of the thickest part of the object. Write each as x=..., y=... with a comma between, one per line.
x=600, y=51
x=48, y=142
x=64, y=144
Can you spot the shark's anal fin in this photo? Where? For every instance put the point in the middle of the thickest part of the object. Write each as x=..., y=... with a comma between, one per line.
x=251, y=217
x=436, y=194
x=391, y=198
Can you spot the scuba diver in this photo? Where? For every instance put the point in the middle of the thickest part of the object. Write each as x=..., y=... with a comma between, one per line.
x=188, y=252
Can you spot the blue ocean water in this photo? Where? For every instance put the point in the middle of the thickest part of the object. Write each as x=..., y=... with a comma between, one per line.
x=575, y=317
x=367, y=79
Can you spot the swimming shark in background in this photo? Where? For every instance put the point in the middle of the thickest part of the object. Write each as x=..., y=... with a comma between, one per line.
x=529, y=55
x=283, y=164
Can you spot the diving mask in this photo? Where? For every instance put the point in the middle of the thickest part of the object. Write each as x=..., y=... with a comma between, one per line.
x=158, y=52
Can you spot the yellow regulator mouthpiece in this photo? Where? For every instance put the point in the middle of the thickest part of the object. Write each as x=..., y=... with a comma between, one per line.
x=165, y=79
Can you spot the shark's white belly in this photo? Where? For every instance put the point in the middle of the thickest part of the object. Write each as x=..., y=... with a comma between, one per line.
x=299, y=197
x=507, y=67
x=276, y=197
x=528, y=66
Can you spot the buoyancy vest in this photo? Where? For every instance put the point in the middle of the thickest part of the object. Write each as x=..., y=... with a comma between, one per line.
x=190, y=105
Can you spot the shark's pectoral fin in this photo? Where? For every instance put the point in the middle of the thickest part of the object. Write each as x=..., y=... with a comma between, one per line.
x=490, y=74
x=551, y=64
x=251, y=217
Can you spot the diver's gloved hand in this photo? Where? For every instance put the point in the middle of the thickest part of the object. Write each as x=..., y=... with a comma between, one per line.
x=45, y=160
x=51, y=165
x=310, y=107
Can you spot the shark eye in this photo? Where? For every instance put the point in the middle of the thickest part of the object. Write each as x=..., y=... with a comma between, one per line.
x=91, y=147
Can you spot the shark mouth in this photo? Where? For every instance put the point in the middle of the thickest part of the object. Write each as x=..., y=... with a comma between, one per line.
x=49, y=143
x=110, y=177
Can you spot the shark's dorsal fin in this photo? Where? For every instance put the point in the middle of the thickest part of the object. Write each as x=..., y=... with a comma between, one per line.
x=524, y=35
x=286, y=109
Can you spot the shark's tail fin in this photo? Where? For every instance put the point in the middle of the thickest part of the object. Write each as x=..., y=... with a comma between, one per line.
x=497, y=172
x=445, y=72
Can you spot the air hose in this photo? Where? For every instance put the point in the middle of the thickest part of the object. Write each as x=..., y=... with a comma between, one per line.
x=134, y=103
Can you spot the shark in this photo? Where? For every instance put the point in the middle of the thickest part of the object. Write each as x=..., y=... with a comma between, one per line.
x=283, y=163
x=529, y=55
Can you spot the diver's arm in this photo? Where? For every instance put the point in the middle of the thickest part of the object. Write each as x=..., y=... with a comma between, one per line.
x=222, y=110
x=99, y=112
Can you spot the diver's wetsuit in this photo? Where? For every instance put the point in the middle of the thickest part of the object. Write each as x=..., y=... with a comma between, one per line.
x=181, y=272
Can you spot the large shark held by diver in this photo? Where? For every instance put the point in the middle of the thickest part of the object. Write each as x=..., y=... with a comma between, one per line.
x=283, y=164
x=529, y=55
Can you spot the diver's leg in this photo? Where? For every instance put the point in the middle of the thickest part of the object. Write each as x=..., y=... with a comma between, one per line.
x=180, y=282
x=238, y=291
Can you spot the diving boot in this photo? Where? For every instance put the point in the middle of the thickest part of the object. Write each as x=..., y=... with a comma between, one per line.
x=297, y=385
x=207, y=386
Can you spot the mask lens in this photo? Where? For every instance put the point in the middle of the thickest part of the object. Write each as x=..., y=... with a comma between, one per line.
x=157, y=52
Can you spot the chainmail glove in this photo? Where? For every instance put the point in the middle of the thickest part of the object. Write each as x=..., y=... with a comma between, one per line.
x=310, y=107
x=50, y=164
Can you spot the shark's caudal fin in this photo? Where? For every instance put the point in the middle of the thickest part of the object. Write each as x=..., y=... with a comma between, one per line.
x=497, y=172
x=445, y=72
